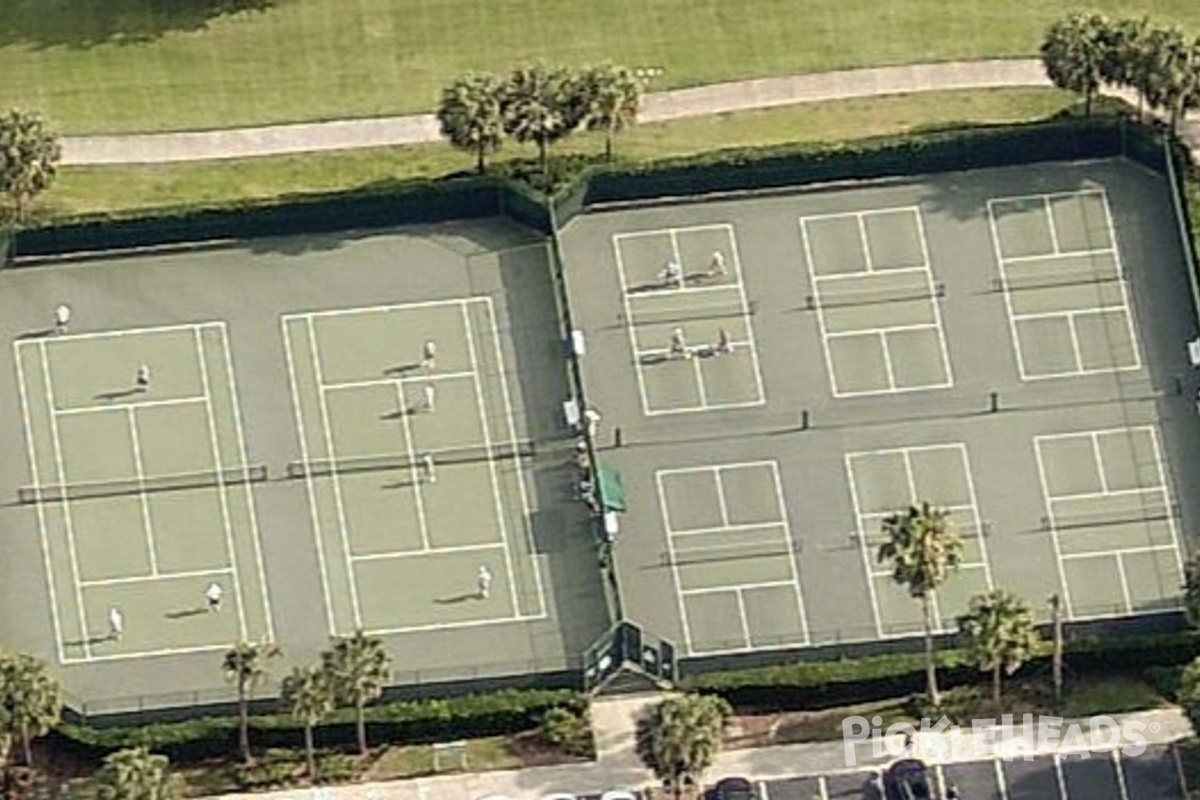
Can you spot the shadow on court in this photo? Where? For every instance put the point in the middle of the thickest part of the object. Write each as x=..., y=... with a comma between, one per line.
x=458, y=598
x=88, y=642
x=38, y=334
x=403, y=369
x=185, y=613
x=399, y=413
x=117, y=394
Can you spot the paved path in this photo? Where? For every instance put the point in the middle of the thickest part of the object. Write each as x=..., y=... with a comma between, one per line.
x=767, y=763
x=659, y=106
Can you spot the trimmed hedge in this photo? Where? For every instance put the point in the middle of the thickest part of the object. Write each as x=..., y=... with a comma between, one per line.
x=410, y=722
x=816, y=685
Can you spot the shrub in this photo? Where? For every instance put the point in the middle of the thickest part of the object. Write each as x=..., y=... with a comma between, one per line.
x=569, y=729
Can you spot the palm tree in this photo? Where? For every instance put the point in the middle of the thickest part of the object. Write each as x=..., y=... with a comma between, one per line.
x=358, y=667
x=137, y=774
x=679, y=738
x=29, y=156
x=541, y=106
x=922, y=546
x=1125, y=44
x=308, y=697
x=471, y=115
x=1074, y=54
x=1175, y=85
x=246, y=664
x=1000, y=635
x=614, y=95
x=30, y=700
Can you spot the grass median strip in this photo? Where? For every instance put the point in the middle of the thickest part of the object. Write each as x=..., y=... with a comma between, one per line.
x=119, y=189
x=119, y=65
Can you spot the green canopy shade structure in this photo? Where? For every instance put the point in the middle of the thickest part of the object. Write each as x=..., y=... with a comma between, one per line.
x=612, y=491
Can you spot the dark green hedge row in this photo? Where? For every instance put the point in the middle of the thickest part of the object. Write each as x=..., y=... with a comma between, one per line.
x=824, y=684
x=576, y=183
x=411, y=722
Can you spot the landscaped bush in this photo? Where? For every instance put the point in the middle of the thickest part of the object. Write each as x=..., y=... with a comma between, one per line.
x=569, y=729
x=408, y=722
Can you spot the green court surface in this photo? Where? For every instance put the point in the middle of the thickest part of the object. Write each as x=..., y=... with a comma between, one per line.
x=1007, y=344
x=285, y=449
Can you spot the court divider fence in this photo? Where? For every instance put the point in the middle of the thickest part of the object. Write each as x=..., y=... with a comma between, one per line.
x=605, y=186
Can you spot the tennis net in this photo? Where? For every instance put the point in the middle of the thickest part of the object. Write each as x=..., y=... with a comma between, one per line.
x=645, y=315
x=321, y=467
x=865, y=297
x=1015, y=281
x=735, y=552
x=154, y=483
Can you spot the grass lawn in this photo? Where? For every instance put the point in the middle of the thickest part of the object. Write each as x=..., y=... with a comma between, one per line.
x=83, y=190
x=124, y=65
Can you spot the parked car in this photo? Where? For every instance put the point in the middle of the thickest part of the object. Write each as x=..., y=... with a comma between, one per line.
x=618, y=794
x=907, y=779
x=734, y=789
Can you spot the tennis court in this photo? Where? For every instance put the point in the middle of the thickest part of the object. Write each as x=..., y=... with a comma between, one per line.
x=385, y=516
x=126, y=520
x=289, y=445
x=1008, y=344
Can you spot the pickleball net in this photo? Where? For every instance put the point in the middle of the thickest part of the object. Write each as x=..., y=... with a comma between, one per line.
x=321, y=467
x=83, y=490
x=842, y=298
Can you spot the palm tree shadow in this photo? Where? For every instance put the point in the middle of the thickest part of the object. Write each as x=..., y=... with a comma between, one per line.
x=88, y=23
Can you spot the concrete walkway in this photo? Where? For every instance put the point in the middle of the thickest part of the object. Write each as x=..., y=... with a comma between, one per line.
x=617, y=771
x=699, y=101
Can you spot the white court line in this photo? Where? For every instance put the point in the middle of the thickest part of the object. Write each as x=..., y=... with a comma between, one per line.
x=735, y=251
x=428, y=551
x=1095, y=438
x=1054, y=537
x=724, y=589
x=749, y=526
x=68, y=523
x=666, y=523
x=887, y=361
x=143, y=497
x=526, y=508
x=1160, y=468
x=35, y=481
x=872, y=331
x=1052, y=227
x=239, y=595
x=976, y=516
x=398, y=380
x=821, y=327
x=743, y=616
x=1016, y=198
x=994, y=229
x=1121, y=551
x=293, y=380
x=1070, y=314
x=1089, y=251
x=445, y=626
x=713, y=467
x=497, y=500
x=633, y=343
x=862, y=538
x=654, y=293
x=666, y=351
x=349, y=312
x=701, y=391
x=862, y=273
x=158, y=576
x=336, y=481
x=140, y=654
x=414, y=469
x=1112, y=235
x=933, y=292
x=177, y=401
x=866, y=245
x=721, y=504
x=801, y=606
x=126, y=332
